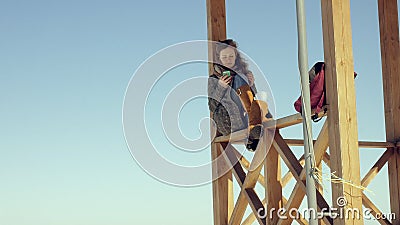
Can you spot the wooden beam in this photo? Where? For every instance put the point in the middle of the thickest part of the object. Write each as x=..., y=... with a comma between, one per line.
x=284, y=122
x=394, y=184
x=251, y=218
x=222, y=185
x=374, y=210
x=298, y=192
x=216, y=26
x=327, y=159
x=236, y=137
x=255, y=204
x=273, y=186
x=241, y=135
x=361, y=144
x=250, y=181
x=390, y=54
x=246, y=165
x=342, y=118
x=296, y=169
x=376, y=168
x=289, y=120
x=288, y=176
x=230, y=155
x=366, y=201
x=284, y=180
x=375, y=144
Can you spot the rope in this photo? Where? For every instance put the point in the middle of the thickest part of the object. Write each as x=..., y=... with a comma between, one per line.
x=333, y=178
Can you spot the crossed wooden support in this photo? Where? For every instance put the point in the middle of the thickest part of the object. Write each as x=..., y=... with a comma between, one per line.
x=268, y=155
x=248, y=181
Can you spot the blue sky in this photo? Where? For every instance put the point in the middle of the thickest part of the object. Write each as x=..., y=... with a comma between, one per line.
x=65, y=66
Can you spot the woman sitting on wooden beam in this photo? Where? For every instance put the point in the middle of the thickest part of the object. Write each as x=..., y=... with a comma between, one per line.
x=231, y=92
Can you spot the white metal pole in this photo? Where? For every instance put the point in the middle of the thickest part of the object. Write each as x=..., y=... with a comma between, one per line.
x=306, y=112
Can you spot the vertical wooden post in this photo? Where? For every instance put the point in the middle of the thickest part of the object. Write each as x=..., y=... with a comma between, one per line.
x=216, y=24
x=390, y=54
x=342, y=118
x=273, y=186
x=222, y=186
x=321, y=190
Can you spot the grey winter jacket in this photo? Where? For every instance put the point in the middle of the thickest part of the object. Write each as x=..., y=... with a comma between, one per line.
x=226, y=108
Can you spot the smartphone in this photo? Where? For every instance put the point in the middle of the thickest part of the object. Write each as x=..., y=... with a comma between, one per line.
x=226, y=73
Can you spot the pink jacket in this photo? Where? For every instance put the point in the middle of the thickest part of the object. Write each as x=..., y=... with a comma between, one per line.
x=317, y=93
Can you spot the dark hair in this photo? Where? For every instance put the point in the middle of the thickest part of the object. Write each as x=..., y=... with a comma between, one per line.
x=240, y=65
x=318, y=67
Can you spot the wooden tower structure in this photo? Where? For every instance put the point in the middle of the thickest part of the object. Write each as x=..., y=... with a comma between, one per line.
x=339, y=132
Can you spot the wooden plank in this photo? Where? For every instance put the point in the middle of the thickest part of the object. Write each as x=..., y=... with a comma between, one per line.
x=289, y=120
x=390, y=54
x=216, y=26
x=293, y=201
x=273, y=186
x=295, y=167
x=236, y=137
x=376, y=168
x=394, y=184
x=239, y=209
x=287, y=155
x=255, y=204
x=241, y=135
x=246, y=165
x=327, y=159
x=251, y=218
x=230, y=155
x=375, y=144
x=298, y=193
x=222, y=187
x=361, y=144
x=257, y=161
x=249, y=182
x=222, y=206
x=374, y=210
x=320, y=147
x=284, y=122
x=240, y=176
x=288, y=176
x=342, y=118
x=366, y=201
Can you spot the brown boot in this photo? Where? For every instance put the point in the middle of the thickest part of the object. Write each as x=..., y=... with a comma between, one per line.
x=257, y=112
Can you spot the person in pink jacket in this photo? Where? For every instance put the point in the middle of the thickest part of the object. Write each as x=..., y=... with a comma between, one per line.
x=317, y=89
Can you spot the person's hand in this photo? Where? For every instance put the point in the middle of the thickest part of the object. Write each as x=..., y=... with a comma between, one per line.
x=224, y=81
x=250, y=77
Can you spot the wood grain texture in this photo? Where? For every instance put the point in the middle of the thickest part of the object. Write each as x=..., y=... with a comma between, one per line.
x=341, y=100
x=390, y=54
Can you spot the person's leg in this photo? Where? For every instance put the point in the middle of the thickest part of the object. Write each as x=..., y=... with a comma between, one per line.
x=246, y=97
x=257, y=112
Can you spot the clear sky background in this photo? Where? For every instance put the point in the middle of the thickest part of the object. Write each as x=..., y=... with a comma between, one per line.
x=64, y=68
